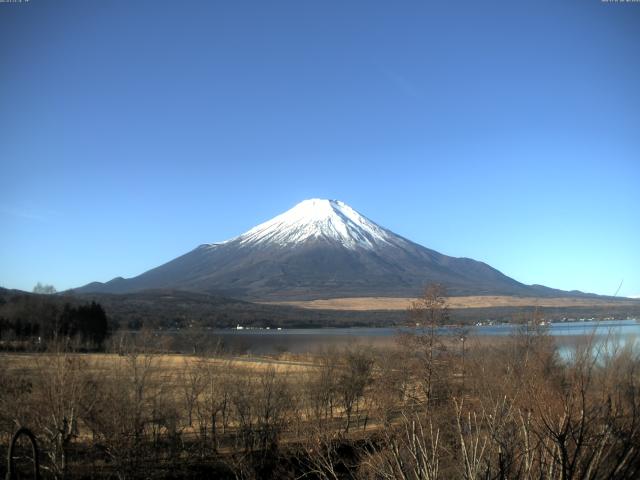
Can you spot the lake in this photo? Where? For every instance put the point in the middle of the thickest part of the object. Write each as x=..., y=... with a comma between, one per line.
x=300, y=340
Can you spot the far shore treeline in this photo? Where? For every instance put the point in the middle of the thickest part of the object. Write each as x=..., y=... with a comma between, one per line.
x=33, y=318
x=39, y=319
x=89, y=319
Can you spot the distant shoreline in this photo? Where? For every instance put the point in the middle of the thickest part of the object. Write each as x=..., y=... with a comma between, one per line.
x=476, y=301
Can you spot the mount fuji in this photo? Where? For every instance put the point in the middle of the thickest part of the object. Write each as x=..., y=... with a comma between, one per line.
x=319, y=249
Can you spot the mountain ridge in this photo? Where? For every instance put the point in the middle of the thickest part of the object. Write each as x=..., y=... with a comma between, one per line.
x=320, y=249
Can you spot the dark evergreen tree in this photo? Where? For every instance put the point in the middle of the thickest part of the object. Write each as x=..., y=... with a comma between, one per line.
x=97, y=326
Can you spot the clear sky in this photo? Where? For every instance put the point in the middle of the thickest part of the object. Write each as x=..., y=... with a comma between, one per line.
x=504, y=131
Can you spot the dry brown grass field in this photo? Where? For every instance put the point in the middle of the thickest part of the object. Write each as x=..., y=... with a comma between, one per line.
x=167, y=365
x=402, y=303
x=427, y=406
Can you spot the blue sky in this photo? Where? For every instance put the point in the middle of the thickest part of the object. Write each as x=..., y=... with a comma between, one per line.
x=133, y=131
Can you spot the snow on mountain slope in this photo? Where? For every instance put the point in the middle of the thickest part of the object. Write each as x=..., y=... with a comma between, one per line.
x=319, y=249
x=319, y=219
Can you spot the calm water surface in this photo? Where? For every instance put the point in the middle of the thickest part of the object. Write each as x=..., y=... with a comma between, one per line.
x=299, y=340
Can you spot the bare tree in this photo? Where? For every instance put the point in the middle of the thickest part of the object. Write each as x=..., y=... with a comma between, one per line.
x=44, y=289
x=428, y=313
x=461, y=334
x=355, y=376
x=213, y=405
x=320, y=386
x=192, y=384
x=412, y=451
x=273, y=402
x=125, y=410
x=61, y=392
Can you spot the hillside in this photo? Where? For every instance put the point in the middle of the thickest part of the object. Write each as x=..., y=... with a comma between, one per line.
x=321, y=249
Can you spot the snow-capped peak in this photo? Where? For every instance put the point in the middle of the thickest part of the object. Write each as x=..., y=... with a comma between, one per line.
x=319, y=219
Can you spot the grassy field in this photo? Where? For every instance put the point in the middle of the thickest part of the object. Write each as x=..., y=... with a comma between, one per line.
x=402, y=303
x=168, y=364
x=163, y=415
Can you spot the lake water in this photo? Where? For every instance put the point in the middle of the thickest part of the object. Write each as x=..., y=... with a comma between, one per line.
x=299, y=340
